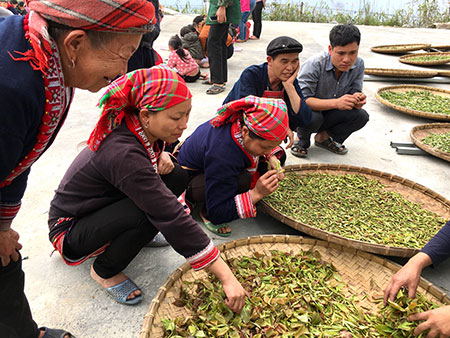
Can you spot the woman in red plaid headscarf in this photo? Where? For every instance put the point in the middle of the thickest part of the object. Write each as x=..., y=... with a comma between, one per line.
x=227, y=159
x=122, y=190
x=58, y=46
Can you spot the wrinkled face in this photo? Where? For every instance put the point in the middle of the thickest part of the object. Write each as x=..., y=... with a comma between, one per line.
x=257, y=147
x=283, y=66
x=95, y=68
x=344, y=57
x=168, y=125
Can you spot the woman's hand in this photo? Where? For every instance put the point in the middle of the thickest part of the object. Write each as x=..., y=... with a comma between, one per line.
x=221, y=14
x=289, y=138
x=233, y=289
x=437, y=320
x=165, y=164
x=9, y=246
x=275, y=164
x=265, y=185
x=408, y=276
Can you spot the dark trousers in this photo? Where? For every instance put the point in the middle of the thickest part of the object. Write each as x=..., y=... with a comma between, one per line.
x=339, y=124
x=143, y=57
x=189, y=78
x=257, y=19
x=16, y=320
x=123, y=225
x=216, y=47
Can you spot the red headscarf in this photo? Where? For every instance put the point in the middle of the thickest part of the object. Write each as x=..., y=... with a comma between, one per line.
x=126, y=16
x=267, y=118
x=155, y=89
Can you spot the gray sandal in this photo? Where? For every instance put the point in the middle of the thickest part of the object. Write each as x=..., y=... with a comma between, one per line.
x=55, y=333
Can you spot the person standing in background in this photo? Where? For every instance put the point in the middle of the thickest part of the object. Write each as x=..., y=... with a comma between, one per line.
x=220, y=14
x=257, y=19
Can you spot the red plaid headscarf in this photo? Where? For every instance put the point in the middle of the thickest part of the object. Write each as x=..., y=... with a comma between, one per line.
x=155, y=89
x=267, y=118
x=126, y=16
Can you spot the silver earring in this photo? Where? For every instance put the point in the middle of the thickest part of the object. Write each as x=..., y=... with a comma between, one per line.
x=73, y=63
x=146, y=124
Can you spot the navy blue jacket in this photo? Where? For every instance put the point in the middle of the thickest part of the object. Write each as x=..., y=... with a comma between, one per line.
x=438, y=248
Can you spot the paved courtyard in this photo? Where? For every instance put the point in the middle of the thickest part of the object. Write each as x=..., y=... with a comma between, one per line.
x=63, y=296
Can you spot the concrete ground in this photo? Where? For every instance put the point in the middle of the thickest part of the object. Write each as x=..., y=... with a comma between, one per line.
x=64, y=296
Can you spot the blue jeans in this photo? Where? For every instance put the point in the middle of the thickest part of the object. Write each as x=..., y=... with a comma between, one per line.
x=244, y=19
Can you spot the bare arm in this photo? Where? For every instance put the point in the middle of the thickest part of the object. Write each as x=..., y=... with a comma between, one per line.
x=233, y=289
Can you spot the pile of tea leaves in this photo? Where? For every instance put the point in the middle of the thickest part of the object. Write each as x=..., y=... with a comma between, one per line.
x=440, y=141
x=291, y=296
x=420, y=100
x=356, y=207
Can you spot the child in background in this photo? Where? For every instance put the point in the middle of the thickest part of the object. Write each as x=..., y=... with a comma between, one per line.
x=191, y=42
x=182, y=61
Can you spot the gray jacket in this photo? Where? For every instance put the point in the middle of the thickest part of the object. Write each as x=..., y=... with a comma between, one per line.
x=193, y=45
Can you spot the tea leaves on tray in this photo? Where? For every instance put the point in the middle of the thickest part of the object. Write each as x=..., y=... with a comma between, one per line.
x=429, y=58
x=420, y=100
x=355, y=207
x=290, y=296
x=440, y=141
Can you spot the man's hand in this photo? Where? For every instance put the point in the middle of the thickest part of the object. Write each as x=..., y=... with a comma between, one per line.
x=165, y=164
x=346, y=102
x=362, y=100
x=290, y=138
x=9, y=245
x=221, y=14
x=437, y=320
x=293, y=77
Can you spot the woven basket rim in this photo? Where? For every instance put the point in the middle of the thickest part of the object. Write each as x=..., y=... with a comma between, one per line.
x=413, y=112
x=445, y=47
x=400, y=72
x=149, y=317
x=405, y=59
x=351, y=243
x=425, y=147
x=413, y=47
x=444, y=73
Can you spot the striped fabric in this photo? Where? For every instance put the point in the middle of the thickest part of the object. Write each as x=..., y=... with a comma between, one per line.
x=7, y=213
x=205, y=257
x=244, y=205
x=155, y=89
x=267, y=118
x=126, y=16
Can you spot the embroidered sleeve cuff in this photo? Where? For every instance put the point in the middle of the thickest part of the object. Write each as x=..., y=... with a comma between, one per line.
x=7, y=213
x=205, y=257
x=244, y=205
x=277, y=152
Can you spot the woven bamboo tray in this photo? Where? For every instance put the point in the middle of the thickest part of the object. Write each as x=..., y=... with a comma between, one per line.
x=418, y=133
x=362, y=272
x=407, y=59
x=442, y=48
x=404, y=88
x=445, y=73
x=402, y=48
x=400, y=72
x=409, y=189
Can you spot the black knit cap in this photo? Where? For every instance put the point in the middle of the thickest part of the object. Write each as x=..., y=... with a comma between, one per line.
x=282, y=45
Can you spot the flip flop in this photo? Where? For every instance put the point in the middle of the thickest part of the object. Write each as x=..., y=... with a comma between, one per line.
x=215, y=89
x=204, y=76
x=214, y=228
x=299, y=151
x=333, y=146
x=55, y=333
x=207, y=82
x=121, y=291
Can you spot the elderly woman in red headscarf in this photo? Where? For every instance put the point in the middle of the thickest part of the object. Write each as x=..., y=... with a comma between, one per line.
x=122, y=190
x=58, y=46
x=227, y=157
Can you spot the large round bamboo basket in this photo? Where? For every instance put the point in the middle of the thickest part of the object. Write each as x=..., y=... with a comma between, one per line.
x=408, y=59
x=362, y=272
x=442, y=48
x=400, y=72
x=404, y=88
x=399, y=49
x=445, y=73
x=418, y=133
x=409, y=189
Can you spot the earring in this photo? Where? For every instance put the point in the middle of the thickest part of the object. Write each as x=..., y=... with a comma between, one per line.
x=146, y=124
x=73, y=63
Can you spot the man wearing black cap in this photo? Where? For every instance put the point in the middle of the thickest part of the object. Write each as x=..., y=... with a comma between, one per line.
x=332, y=83
x=276, y=79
